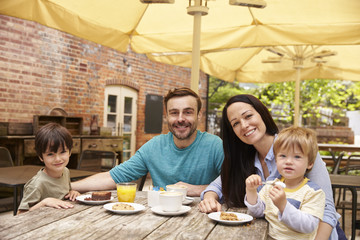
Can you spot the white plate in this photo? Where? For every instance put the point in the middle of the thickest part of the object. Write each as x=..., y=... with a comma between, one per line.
x=158, y=210
x=188, y=200
x=138, y=208
x=242, y=216
x=81, y=198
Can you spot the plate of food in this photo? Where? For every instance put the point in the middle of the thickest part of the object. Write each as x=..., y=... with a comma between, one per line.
x=230, y=218
x=95, y=198
x=124, y=207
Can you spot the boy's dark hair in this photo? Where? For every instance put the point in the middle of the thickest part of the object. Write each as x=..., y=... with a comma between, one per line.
x=181, y=92
x=52, y=136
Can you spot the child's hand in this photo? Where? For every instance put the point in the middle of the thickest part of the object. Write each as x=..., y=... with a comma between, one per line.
x=56, y=203
x=252, y=182
x=277, y=195
x=72, y=195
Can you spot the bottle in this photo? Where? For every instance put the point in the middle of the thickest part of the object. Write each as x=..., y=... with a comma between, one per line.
x=94, y=125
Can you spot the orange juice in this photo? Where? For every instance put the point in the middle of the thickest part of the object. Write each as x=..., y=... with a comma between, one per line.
x=126, y=192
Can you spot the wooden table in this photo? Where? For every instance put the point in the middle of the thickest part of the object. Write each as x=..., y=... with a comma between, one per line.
x=337, y=152
x=16, y=177
x=94, y=222
x=351, y=182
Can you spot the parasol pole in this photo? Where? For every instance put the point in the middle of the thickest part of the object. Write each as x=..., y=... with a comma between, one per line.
x=297, y=97
x=197, y=11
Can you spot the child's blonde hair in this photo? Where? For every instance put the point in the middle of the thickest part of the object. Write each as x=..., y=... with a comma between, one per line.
x=303, y=138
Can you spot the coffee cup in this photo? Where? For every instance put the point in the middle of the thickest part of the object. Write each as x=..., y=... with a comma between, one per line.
x=177, y=188
x=153, y=198
x=170, y=201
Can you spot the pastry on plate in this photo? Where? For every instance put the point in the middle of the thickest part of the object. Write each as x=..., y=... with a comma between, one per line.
x=122, y=206
x=228, y=216
x=100, y=196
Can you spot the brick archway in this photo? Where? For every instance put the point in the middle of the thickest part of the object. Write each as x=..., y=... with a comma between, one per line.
x=122, y=82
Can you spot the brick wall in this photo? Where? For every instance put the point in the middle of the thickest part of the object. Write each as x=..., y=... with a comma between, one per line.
x=42, y=68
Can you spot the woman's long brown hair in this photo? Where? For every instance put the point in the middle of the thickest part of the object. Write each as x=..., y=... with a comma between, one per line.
x=239, y=161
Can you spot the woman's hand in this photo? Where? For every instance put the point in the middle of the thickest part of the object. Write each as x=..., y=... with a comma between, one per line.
x=72, y=195
x=210, y=203
x=277, y=195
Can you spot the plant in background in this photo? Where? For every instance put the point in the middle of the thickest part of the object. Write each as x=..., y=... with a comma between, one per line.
x=322, y=102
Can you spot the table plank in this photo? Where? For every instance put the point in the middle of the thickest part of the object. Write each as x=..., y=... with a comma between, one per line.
x=345, y=180
x=14, y=226
x=103, y=225
x=339, y=147
x=95, y=222
x=192, y=225
x=257, y=229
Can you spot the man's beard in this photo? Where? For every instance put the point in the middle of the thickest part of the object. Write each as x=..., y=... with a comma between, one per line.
x=180, y=136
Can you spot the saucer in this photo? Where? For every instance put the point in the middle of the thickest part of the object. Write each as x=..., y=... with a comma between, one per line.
x=188, y=200
x=158, y=210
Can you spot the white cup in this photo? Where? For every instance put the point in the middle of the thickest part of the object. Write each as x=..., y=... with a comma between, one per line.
x=153, y=198
x=177, y=188
x=170, y=201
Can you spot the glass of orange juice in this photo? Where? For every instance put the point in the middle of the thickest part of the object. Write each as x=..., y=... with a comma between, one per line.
x=126, y=191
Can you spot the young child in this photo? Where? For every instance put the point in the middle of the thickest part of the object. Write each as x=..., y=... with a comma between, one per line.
x=293, y=212
x=53, y=145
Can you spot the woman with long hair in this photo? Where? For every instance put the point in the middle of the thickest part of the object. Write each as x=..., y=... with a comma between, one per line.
x=248, y=132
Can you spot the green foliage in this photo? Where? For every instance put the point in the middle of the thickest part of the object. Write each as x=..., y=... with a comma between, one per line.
x=335, y=95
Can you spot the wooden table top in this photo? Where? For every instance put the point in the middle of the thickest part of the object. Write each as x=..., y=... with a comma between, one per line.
x=345, y=180
x=94, y=222
x=339, y=147
x=19, y=175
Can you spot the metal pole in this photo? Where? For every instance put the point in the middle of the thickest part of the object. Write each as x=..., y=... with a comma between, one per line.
x=195, y=69
x=297, y=98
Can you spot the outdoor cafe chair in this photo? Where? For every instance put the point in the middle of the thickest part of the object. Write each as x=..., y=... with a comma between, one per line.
x=5, y=158
x=6, y=201
x=97, y=161
x=352, y=163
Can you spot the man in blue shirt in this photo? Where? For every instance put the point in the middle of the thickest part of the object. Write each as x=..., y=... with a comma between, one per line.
x=184, y=156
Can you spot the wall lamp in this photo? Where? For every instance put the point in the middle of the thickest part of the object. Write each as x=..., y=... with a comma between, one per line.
x=127, y=64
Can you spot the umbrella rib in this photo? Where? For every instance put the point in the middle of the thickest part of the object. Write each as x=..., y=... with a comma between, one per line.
x=137, y=24
x=253, y=17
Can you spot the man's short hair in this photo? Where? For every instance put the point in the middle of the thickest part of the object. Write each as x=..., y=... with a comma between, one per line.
x=181, y=92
